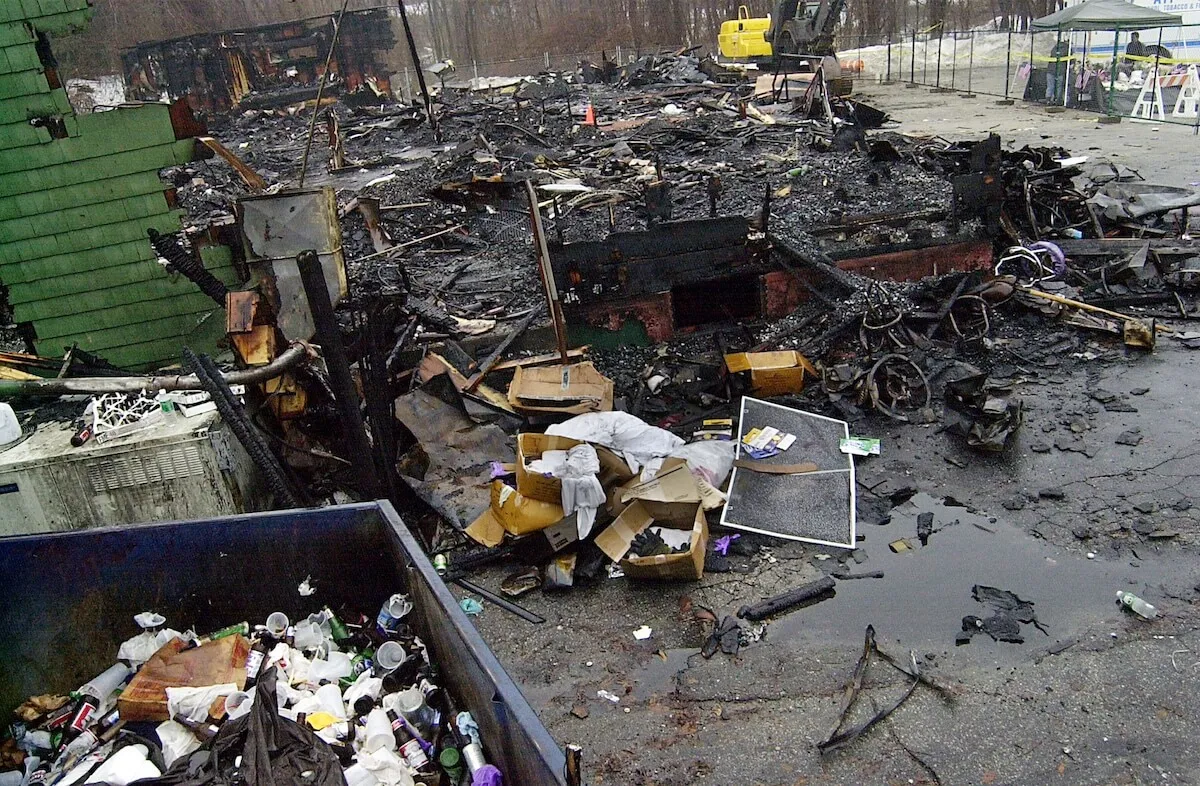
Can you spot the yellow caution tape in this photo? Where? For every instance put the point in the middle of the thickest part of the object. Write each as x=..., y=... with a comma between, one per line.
x=1164, y=60
x=1045, y=59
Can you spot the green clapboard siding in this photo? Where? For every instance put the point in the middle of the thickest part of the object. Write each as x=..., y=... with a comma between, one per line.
x=74, y=255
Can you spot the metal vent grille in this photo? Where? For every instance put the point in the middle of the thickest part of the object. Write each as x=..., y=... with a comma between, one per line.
x=137, y=469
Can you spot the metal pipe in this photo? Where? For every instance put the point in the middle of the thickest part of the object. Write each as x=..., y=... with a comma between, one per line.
x=1008, y=66
x=954, y=63
x=912, y=59
x=495, y=599
x=98, y=385
x=938, y=78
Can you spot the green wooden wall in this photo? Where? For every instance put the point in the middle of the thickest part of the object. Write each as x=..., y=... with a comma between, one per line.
x=74, y=211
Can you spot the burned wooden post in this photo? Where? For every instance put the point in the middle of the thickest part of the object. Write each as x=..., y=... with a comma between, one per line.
x=416, y=58
x=355, y=442
x=543, y=253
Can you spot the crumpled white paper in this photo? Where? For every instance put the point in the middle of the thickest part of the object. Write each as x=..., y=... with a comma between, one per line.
x=365, y=685
x=177, y=740
x=388, y=768
x=194, y=703
x=142, y=647
x=125, y=766
x=581, y=489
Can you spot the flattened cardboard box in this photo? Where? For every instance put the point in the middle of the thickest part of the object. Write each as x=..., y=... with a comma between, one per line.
x=571, y=390
x=618, y=538
x=771, y=373
x=215, y=663
x=675, y=483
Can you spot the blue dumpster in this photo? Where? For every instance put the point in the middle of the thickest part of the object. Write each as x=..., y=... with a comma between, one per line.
x=69, y=600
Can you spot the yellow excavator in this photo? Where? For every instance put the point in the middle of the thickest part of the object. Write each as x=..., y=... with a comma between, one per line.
x=796, y=27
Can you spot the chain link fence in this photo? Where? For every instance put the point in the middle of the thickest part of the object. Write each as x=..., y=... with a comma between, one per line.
x=1154, y=81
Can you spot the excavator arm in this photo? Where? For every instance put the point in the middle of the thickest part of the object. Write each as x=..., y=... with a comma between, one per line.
x=785, y=11
x=828, y=16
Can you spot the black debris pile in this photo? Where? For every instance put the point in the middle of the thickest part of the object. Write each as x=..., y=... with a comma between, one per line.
x=983, y=412
x=1009, y=613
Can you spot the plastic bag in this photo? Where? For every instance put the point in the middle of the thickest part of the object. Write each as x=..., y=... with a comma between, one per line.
x=710, y=460
x=637, y=442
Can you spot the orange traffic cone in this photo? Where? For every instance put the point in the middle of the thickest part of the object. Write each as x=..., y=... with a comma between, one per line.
x=589, y=119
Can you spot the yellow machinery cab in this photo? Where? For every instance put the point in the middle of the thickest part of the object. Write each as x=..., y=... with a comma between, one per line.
x=745, y=37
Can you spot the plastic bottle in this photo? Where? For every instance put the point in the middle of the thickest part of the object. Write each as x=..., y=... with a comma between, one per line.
x=106, y=682
x=1138, y=606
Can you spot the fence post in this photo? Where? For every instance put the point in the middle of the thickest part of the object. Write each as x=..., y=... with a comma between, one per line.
x=618, y=54
x=925, y=62
x=912, y=61
x=547, y=61
x=954, y=63
x=970, y=68
x=937, y=83
x=889, y=66
x=475, y=67
x=1006, y=101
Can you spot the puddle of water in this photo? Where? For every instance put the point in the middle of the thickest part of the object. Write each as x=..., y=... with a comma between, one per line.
x=925, y=593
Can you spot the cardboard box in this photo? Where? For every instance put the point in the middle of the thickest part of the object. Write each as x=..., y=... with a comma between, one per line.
x=771, y=373
x=570, y=390
x=613, y=469
x=618, y=538
x=514, y=513
x=543, y=545
x=531, y=484
x=674, y=483
x=215, y=663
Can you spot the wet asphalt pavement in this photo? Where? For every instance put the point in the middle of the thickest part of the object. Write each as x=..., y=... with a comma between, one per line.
x=1101, y=698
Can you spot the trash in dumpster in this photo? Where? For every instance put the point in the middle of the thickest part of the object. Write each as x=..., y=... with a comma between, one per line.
x=325, y=701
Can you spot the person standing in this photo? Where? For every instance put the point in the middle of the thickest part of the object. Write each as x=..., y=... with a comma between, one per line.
x=1056, y=73
x=1135, y=47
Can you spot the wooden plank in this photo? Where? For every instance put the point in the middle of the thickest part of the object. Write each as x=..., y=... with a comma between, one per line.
x=540, y=360
x=434, y=364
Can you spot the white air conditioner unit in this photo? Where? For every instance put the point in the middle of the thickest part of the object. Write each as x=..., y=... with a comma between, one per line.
x=182, y=468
